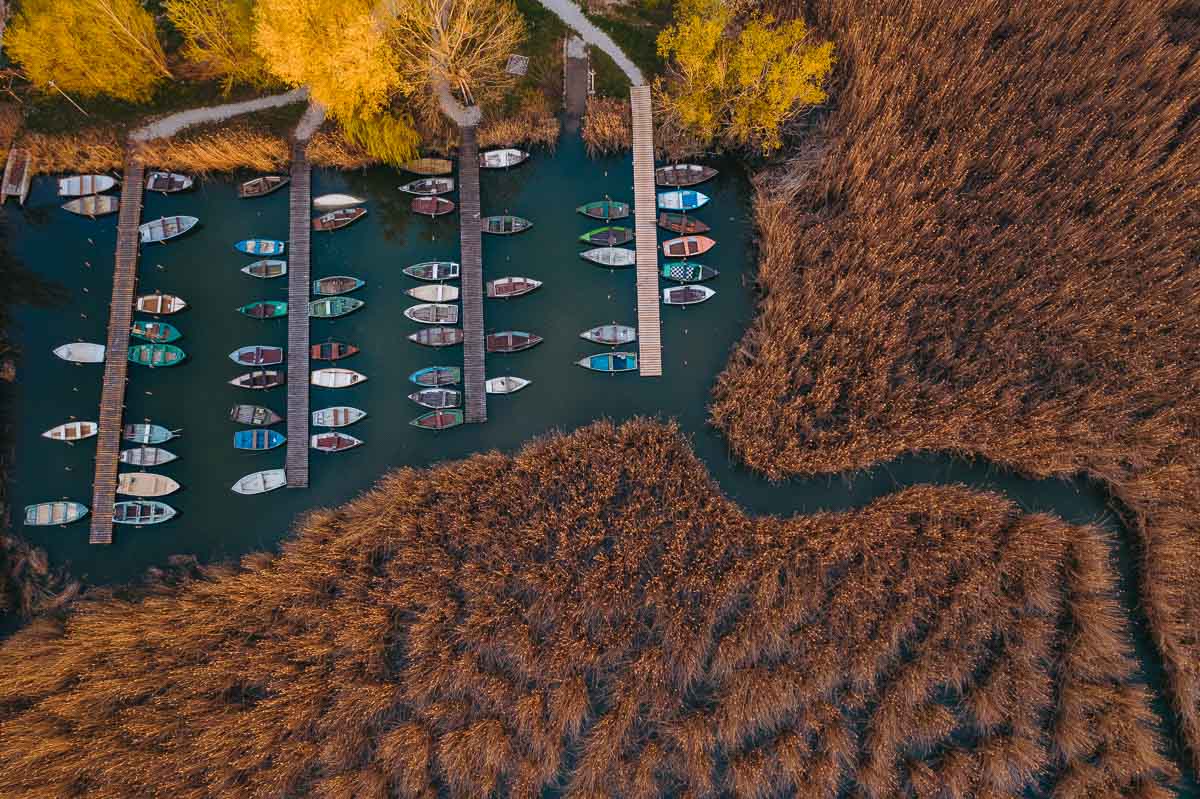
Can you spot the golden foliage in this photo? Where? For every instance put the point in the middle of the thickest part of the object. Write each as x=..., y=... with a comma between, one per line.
x=386, y=137
x=329, y=148
x=88, y=47
x=218, y=35
x=572, y=613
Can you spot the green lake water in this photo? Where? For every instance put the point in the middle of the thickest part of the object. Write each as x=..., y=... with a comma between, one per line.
x=76, y=254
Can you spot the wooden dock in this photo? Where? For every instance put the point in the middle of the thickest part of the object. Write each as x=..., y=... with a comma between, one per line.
x=116, y=360
x=472, y=276
x=299, y=271
x=645, y=199
x=17, y=175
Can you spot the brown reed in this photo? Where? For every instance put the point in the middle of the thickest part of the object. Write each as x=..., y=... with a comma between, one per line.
x=607, y=126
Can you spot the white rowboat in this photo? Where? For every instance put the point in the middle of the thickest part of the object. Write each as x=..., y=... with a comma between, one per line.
x=47, y=514
x=260, y=482
x=610, y=256
x=72, y=431
x=501, y=159
x=81, y=352
x=336, y=378
x=146, y=484
x=439, y=292
x=505, y=385
x=336, y=201
x=337, y=416
x=81, y=185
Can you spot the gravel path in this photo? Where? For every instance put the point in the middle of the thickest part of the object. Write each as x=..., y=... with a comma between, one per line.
x=314, y=115
x=170, y=125
x=573, y=16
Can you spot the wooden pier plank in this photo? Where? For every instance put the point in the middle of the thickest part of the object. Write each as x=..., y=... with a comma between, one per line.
x=645, y=198
x=299, y=271
x=470, y=235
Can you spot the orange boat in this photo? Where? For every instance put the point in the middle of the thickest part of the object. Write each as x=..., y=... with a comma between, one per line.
x=687, y=246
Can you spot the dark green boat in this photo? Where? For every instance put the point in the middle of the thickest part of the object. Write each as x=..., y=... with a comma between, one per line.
x=604, y=209
x=265, y=309
x=611, y=236
x=688, y=272
x=154, y=355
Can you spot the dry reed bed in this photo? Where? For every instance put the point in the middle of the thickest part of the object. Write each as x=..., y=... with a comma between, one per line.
x=574, y=614
x=996, y=255
x=608, y=129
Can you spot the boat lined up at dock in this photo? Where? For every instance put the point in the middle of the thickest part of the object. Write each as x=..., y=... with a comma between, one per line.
x=264, y=309
x=156, y=355
x=334, y=441
x=72, y=431
x=437, y=292
x=333, y=307
x=256, y=415
x=613, y=257
x=260, y=482
x=257, y=355
x=167, y=182
x=160, y=304
x=506, y=287
x=142, y=512
x=147, y=433
x=331, y=351
x=605, y=209
x=146, y=456
x=336, y=378
x=336, y=284
x=433, y=313
x=337, y=416
x=437, y=376
x=83, y=185
x=336, y=201
x=166, y=228
x=683, y=174
x=262, y=186
x=258, y=440
x=505, y=385
x=50, y=514
x=335, y=220
x=259, y=380
x=266, y=269
x=81, y=352
x=502, y=159
x=146, y=484
x=429, y=187
x=611, y=335
x=432, y=206
x=155, y=332
x=434, y=270
x=93, y=205
x=264, y=247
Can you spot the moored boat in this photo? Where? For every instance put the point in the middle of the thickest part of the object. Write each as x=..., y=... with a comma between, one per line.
x=336, y=284
x=146, y=484
x=337, y=416
x=259, y=380
x=333, y=307
x=333, y=441
x=505, y=287
x=255, y=415
x=338, y=219
x=336, y=201
x=82, y=185
x=512, y=341
x=610, y=335
x=436, y=376
x=72, y=431
x=682, y=224
x=682, y=200
x=611, y=257
x=266, y=268
x=687, y=246
x=438, y=420
x=157, y=332
x=437, y=398
x=264, y=309
x=433, y=270
x=156, y=355
x=167, y=182
x=688, y=272
x=429, y=187
x=141, y=512
x=433, y=313
x=505, y=224
x=432, y=206
x=428, y=166
x=145, y=433
x=438, y=292
x=165, y=228
x=610, y=362
x=336, y=378
x=260, y=247
x=437, y=336
x=93, y=205
x=502, y=159
x=609, y=236
x=81, y=352
x=605, y=209
x=257, y=440
x=683, y=174
x=260, y=482
x=262, y=186
x=331, y=351
x=257, y=355
x=505, y=385
x=687, y=295
x=47, y=514
x=160, y=304
x=146, y=456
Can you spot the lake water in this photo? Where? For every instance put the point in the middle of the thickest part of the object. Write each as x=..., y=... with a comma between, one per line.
x=203, y=268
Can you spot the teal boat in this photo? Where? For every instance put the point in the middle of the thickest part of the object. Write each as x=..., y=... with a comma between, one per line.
x=330, y=307
x=436, y=376
x=157, y=332
x=260, y=247
x=154, y=355
x=610, y=236
x=688, y=272
x=264, y=309
x=610, y=362
x=604, y=209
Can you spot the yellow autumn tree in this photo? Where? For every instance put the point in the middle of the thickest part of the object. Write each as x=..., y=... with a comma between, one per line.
x=88, y=47
x=219, y=35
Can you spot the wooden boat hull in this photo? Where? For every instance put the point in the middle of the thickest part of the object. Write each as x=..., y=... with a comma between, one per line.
x=502, y=159
x=432, y=206
x=336, y=378
x=143, y=433
x=438, y=292
x=612, y=257
x=336, y=284
x=687, y=246
x=505, y=385
x=141, y=512
x=255, y=415
x=265, y=309
x=506, y=287
x=93, y=205
x=333, y=442
x=335, y=220
x=605, y=209
x=257, y=355
x=432, y=313
x=155, y=332
x=167, y=182
x=610, y=236
x=682, y=224
x=437, y=398
x=259, y=380
x=336, y=201
x=160, y=304
x=72, y=431
x=331, y=351
x=610, y=362
x=438, y=336
x=337, y=416
x=687, y=295
x=505, y=225
x=434, y=270
x=49, y=514
x=610, y=335
x=438, y=420
x=146, y=456
x=264, y=247
x=428, y=166
x=261, y=187
x=512, y=341
x=82, y=185
x=683, y=174
x=333, y=307
x=81, y=352
x=258, y=440
x=429, y=187
x=266, y=269
x=688, y=272
x=435, y=376
x=156, y=355
x=260, y=482
x=146, y=484
x=165, y=228
x=681, y=200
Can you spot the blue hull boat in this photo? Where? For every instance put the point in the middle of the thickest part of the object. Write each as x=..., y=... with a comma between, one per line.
x=682, y=200
x=260, y=247
x=256, y=440
x=610, y=362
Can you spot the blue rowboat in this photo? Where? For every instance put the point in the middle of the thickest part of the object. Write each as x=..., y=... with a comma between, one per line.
x=682, y=200
x=610, y=362
x=435, y=376
x=260, y=247
x=257, y=439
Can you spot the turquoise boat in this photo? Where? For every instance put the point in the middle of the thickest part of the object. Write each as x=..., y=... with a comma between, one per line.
x=260, y=247
x=264, y=309
x=154, y=355
x=610, y=362
x=157, y=332
x=258, y=440
x=435, y=376
x=331, y=307
x=688, y=272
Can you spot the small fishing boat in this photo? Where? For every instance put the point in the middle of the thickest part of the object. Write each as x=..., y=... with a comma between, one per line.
x=156, y=355
x=264, y=309
x=688, y=272
x=432, y=206
x=436, y=376
x=141, y=512
x=338, y=219
x=505, y=287
x=683, y=174
x=611, y=257
x=502, y=159
x=511, y=341
x=48, y=514
x=610, y=362
x=433, y=313
x=687, y=246
x=438, y=420
x=260, y=482
x=428, y=166
x=336, y=378
x=687, y=295
x=505, y=385
x=333, y=441
x=337, y=416
x=257, y=440
x=266, y=268
x=167, y=182
x=255, y=415
x=148, y=433
x=165, y=228
x=437, y=398
x=72, y=431
x=429, y=187
x=81, y=352
x=331, y=351
x=157, y=332
x=146, y=484
x=260, y=247
x=505, y=225
x=611, y=236
x=160, y=304
x=439, y=292
x=337, y=284
x=682, y=200
x=333, y=307
x=605, y=209
x=93, y=205
x=261, y=187
x=81, y=185
x=433, y=270
x=611, y=335
x=259, y=380
x=682, y=224
x=336, y=201
x=146, y=456
x=257, y=355
x=437, y=336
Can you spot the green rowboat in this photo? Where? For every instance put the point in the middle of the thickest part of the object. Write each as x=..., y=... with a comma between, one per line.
x=330, y=307
x=612, y=236
x=153, y=355
x=157, y=332
x=265, y=309
x=605, y=209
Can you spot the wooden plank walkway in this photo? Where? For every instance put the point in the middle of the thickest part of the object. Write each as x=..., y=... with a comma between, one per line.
x=299, y=270
x=17, y=175
x=645, y=199
x=116, y=360
x=472, y=276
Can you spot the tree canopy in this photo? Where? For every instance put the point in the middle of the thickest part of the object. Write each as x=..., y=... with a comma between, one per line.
x=219, y=35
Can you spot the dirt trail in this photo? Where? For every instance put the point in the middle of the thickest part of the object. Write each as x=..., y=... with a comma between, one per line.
x=170, y=125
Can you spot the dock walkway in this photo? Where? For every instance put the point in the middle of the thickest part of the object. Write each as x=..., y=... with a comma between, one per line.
x=116, y=359
x=645, y=199
x=299, y=271
x=470, y=235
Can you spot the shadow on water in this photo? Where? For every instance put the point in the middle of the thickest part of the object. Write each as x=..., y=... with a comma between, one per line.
x=76, y=254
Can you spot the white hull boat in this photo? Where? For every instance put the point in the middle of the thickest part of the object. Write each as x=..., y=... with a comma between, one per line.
x=505, y=385
x=81, y=352
x=260, y=482
x=337, y=416
x=337, y=201
x=336, y=378
x=146, y=484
